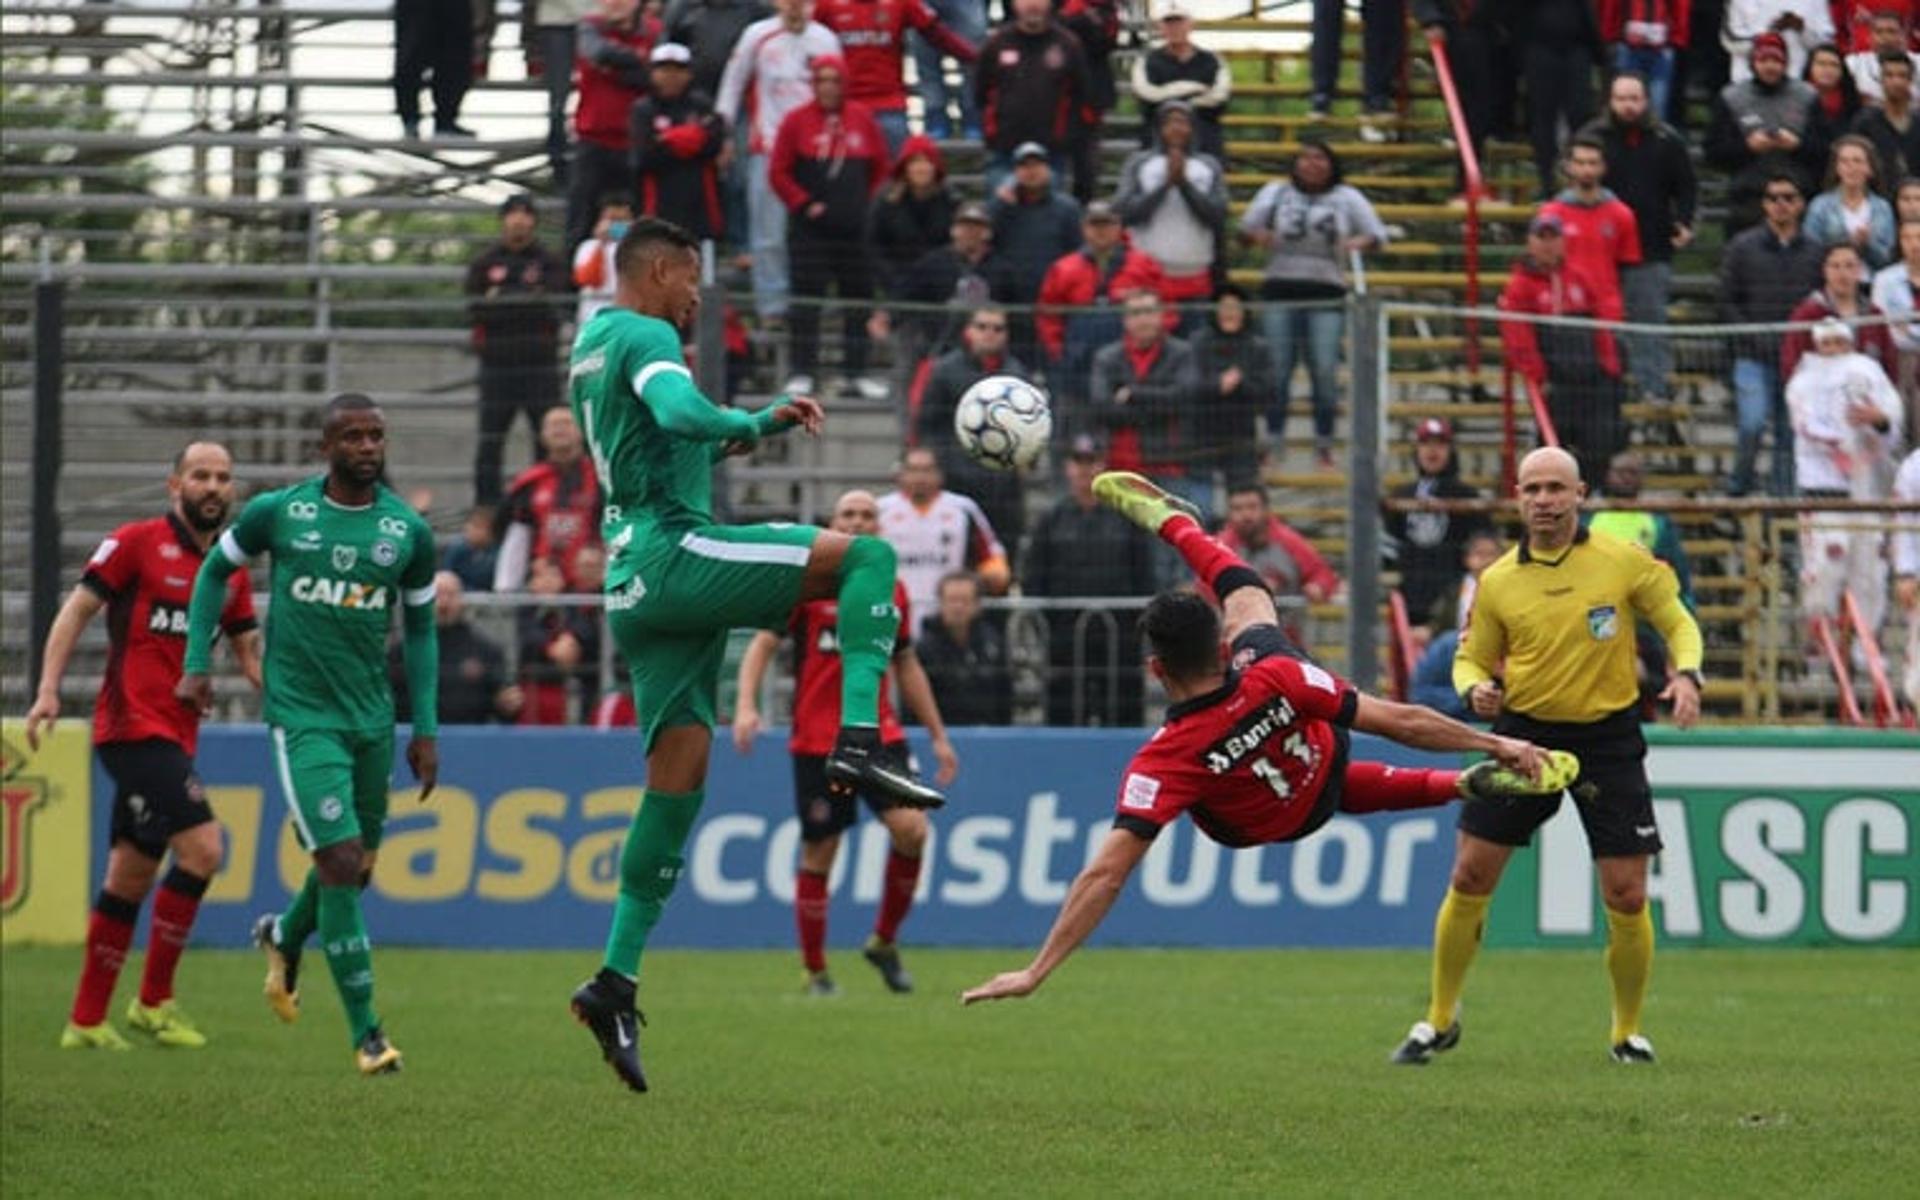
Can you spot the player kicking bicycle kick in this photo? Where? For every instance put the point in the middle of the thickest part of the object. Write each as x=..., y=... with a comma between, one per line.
x=1255, y=744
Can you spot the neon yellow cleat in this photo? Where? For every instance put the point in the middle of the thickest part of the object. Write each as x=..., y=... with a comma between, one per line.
x=1140, y=499
x=166, y=1024
x=92, y=1037
x=1489, y=780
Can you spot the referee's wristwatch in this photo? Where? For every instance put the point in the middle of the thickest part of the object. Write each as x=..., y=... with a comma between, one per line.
x=1699, y=680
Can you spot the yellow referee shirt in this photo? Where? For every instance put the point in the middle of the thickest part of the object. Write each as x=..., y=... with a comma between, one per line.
x=1563, y=627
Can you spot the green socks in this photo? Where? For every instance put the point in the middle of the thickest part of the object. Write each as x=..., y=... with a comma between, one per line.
x=343, y=935
x=868, y=622
x=650, y=865
x=301, y=917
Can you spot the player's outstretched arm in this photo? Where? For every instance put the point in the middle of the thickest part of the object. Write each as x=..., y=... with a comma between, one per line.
x=1087, y=904
x=753, y=669
x=1421, y=727
x=81, y=607
x=680, y=409
x=917, y=690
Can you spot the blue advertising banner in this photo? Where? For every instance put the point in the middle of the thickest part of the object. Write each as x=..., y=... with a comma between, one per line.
x=519, y=847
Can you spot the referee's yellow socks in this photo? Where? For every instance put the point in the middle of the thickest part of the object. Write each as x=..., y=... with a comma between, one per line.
x=1456, y=938
x=1629, y=965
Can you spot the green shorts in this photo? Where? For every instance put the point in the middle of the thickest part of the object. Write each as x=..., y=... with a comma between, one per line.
x=671, y=618
x=335, y=781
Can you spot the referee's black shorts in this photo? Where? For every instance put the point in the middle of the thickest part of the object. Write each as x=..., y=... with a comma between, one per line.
x=1612, y=793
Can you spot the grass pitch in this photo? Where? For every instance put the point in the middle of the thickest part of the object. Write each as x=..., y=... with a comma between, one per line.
x=1133, y=1072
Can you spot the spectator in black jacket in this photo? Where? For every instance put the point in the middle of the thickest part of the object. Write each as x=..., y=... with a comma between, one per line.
x=1475, y=34
x=1177, y=69
x=432, y=37
x=1384, y=38
x=1237, y=384
x=1032, y=83
x=1560, y=46
x=912, y=214
x=677, y=140
x=1764, y=272
x=1836, y=102
x=1650, y=170
x=1034, y=223
x=950, y=281
x=1096, y=24
x=965, y=657
x=1427, y=545
x=517, y=286
x=711, y=28
x=474, y=689
x=1890, y=125
x=1081, y=548
x=1141, y=400
x=983, y=353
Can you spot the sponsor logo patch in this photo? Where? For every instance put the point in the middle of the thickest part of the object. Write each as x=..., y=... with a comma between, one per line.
x=1603, y=622
x=1140, y=791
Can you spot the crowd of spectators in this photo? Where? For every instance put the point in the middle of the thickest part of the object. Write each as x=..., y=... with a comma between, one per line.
x=781, y=133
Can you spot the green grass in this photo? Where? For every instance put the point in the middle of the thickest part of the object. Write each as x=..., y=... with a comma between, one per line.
x=1134, y=1072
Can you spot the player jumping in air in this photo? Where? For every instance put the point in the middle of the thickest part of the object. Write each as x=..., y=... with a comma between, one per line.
x=142, y=574
x=677, y=582
x=1254, y=746
x=346, y=551
x=824, y=814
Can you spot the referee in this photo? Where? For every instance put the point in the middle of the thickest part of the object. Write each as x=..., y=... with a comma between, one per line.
x=1560, y=611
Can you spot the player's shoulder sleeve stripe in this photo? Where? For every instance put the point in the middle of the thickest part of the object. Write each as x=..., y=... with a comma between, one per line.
x=657, y=370
x=230, y=549
x=415, y=597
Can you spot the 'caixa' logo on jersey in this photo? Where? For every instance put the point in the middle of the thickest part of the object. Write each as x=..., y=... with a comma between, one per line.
x=339, y=593
x=1249, y=735
x=167, y=619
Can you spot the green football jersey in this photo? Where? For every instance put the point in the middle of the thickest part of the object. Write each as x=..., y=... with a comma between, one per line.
x=653, y=437
x=339, y=575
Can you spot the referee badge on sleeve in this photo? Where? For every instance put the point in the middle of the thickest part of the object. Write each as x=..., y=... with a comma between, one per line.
x=1603, y=622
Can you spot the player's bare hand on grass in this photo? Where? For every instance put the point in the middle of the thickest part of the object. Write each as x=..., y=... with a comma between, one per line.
x=803, y=411
x=196, y=692
x=946, y=761
x=1684, y=694
x=1486, y=699
x=1522, y=758
x=423, y=755
x=45, y=711
x=1008, y=986
x=746, y=726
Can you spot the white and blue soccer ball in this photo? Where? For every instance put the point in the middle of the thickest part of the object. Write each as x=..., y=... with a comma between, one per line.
x=1003, y=422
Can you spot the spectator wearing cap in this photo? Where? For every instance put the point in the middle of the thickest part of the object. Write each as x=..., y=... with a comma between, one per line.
x=1080, y=548
x=1383, y=33
x=912, y=214
x=1177, y=69
x=1795, y=26
x=1032, y=85
x=875, y=41
x=1034, y=223
x=1173, y=201
x=1650, y=169
x=1428, y=546
x=1764, y=272
x=1079, y=295
x=594, y=271
x=677, y=141
x=515, y=287
x=829, y=160
x=1756, y=130
x=983, y=351
x=1236, y=389
x=948, y=282
x=1311, y=225
x=1140, y=400
x=611, y=66
x=768, y=77
x=432, y=38
x=1576, y=368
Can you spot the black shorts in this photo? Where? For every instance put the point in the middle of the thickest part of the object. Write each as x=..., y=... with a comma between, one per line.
x=156, y=793
x=822, y=813
x=1612, y=793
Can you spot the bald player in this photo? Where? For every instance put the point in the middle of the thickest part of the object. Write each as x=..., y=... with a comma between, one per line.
x=142, y=575
x=1548, y=656
x=824, y=813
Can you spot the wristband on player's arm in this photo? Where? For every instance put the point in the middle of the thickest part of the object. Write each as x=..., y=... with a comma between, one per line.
x=203, y=612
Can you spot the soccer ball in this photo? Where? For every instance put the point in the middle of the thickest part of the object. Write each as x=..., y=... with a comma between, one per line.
x=1003, y=422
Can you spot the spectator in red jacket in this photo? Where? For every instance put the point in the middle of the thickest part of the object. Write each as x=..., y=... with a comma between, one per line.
x=552, y=509
x=1577, y=367
x=677, y=139
x=1600, y=232
x=611, y=63
x=1033, y=85
x=1287, y=562
x=1098, y=275
x=1841, y=296
x=829, y=160
x=1641, y=36
x=873, y=36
